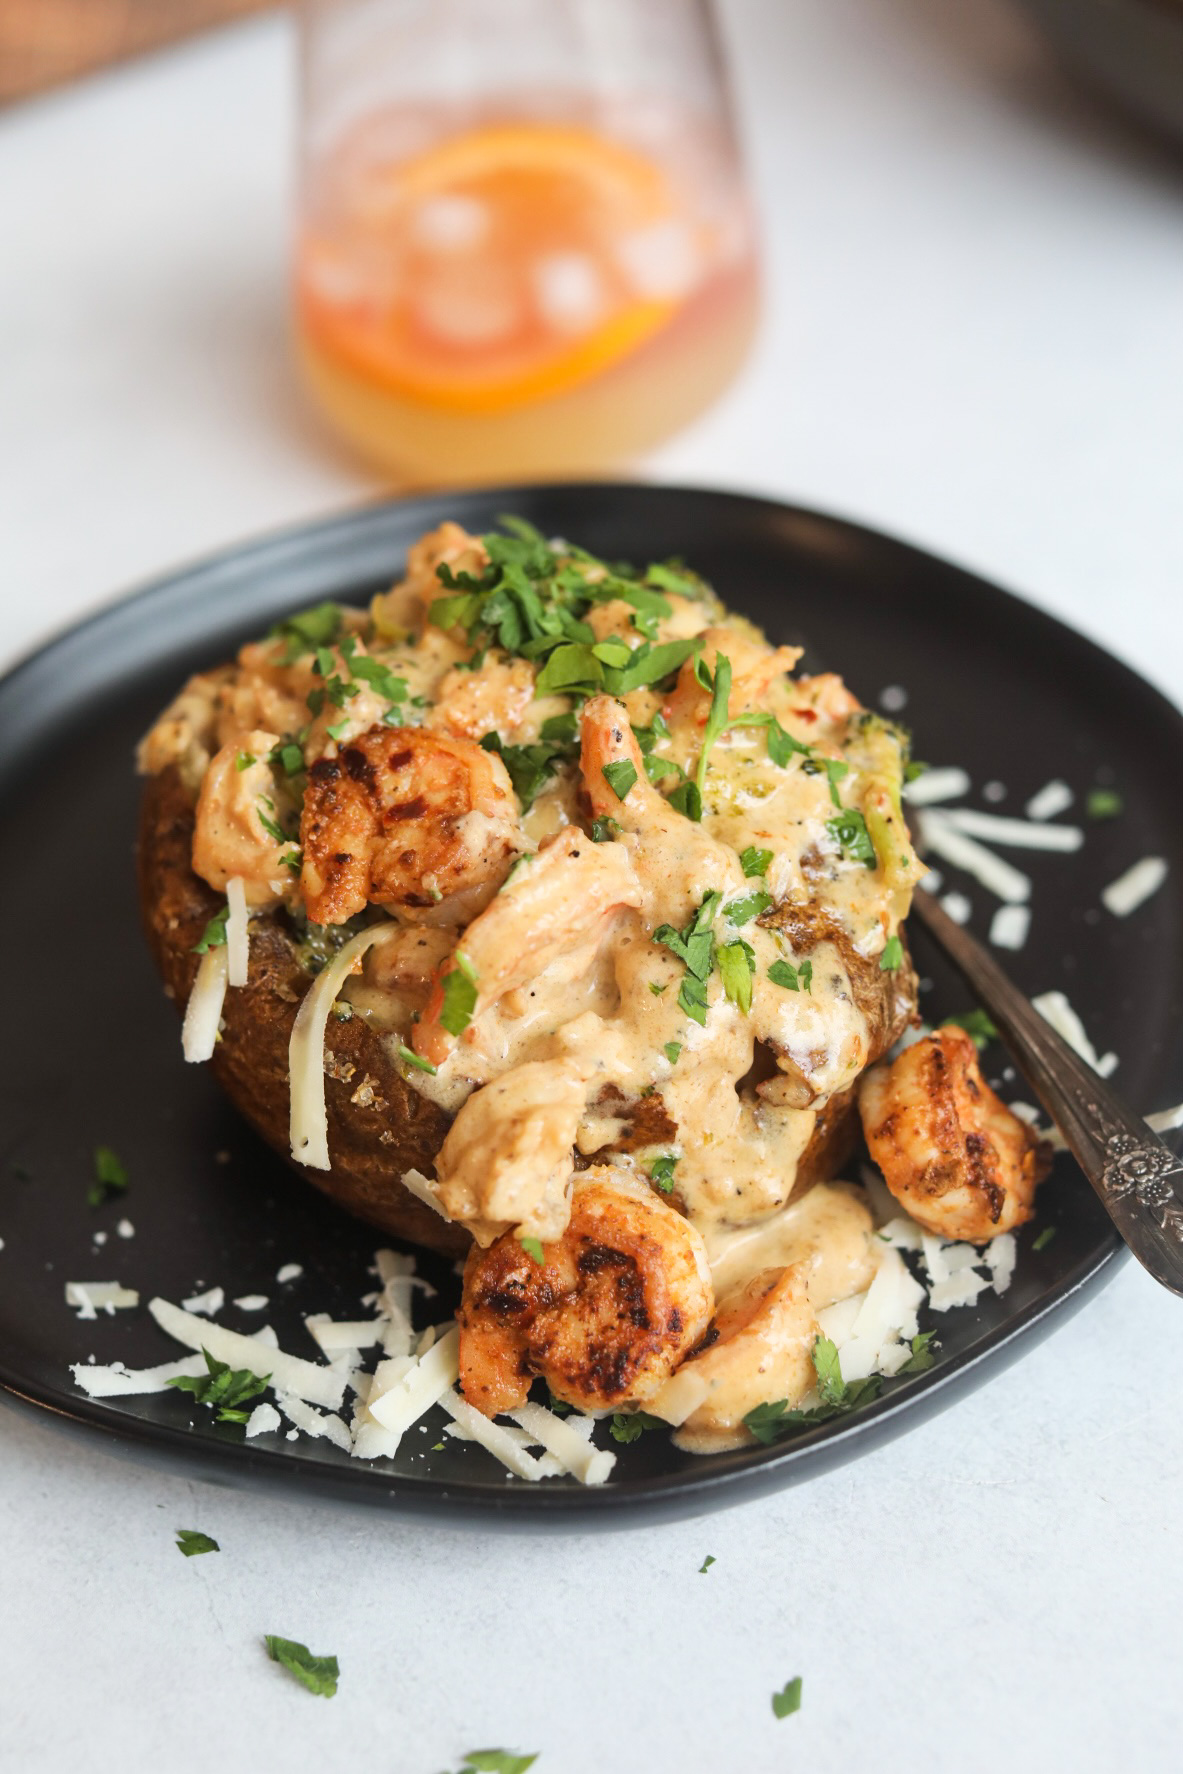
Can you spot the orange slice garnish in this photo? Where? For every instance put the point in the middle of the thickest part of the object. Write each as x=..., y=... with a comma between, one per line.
x=500, y=267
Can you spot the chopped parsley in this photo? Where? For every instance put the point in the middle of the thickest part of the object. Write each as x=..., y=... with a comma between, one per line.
x=672, y=1049
x=271, y=826
x=687, y=799
x=892, y=958
x=288, y=755
x=707, y=1562
x=191, y=1542
x=768, y=1422
x=793, y=979
x=110, y=1177
x=223, y=1388
x=849, y=831
x=416, y=1059
x=308, y=630
x=737, y=964
x=922, y=1356
x=529, y=766
x=977, y=1024
x=749, y=906
x=719, y=686
x=496, y=1761
x=371, y=671
x=319, y=1675
x=661, y=1172
x=337, y=729
x=788, y=1700
x=1104, y=803
x=460, y=995
x=603, y=830
x=694, y=946
x=657, y=987
x=214, y=934
x=755, y=863
x=533, y=1249
x=244, y=760
x=631, y=1425
x=620, y=777
x=1044, y=1238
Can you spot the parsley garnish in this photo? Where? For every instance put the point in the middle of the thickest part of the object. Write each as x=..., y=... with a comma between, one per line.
x=753, y=862
x=743, y=910
x=110, y=1176
x=620, y=777
x=976, y=1024
x=460, y=995
x=308, y=630
x=318, y=1674
x=661, y=1172
x=214, y=934
x=849, y=831
x=529, y=766
x=657, y=987
x=793, y=979
x=1104, y=803
x=191, y=1542
x=687, y=799
x=223, y=1388
x=768, y=1422
x=416, y=1059
x=272, y=826
x=533, y=1249
x=922, y=1356
x=1044, y=1239
x=603, y=830
x=707, y=1562
x=244, y=760
x=720, y=688
x=737, y=964
x=788, y=1700
x=892, y=958
x=288, y=755
x=694, y=946
x=631, y=1425
x=671, y=1050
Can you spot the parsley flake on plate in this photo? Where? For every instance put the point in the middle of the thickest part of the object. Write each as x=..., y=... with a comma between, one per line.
x=110, y=1176
x=707, y=1562
x=223, y=1388
x=620, y=777
x=788, y=1700
x=318, y=1674
x=629, y=1426
x=1044, y=1238
x=769, y=1421
x=496, y=1761
x=191, y=1541
x=1104, y=803
x=922, y=1357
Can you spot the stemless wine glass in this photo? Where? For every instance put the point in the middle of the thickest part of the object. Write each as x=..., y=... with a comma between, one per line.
x=525, y=247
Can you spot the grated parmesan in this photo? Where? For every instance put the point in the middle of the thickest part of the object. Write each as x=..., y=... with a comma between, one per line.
x=118, y=1381
x=1055, y=1010
x=309, y=1125
x=251, y=1302
x=1135, y=887
x=1018, y=833
x=1164, y=1120
x=562, y=1437
x=211, y=1301
x=491, y=1436
x=1054, y=797
x=262, y=1420
x=100, y=1296
x=317, y=1385
x=937, y=785
x=996, y=875
x=237, y=933
x=1009, y=926
x=203, y=1012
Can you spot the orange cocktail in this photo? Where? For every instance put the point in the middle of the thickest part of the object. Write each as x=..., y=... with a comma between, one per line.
x=504, y=295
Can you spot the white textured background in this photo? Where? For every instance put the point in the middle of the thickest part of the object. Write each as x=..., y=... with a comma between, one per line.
x=974, y=338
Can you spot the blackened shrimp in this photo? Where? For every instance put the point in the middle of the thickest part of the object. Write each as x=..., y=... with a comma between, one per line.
x=616, y=1303
x=951, y=1153
x=404, y=817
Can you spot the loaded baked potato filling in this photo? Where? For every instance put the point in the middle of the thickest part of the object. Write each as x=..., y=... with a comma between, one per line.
x=618, y=901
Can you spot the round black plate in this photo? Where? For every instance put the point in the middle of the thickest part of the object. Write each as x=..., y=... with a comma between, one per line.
x=92, y=1050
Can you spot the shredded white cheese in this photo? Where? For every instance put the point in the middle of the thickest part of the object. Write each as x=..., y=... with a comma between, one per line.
x=1163, y=1120
x=1055, y=1009
x=345, y=1335
x=957, y=907
x=562, y=1437
x=203, y=1013
x=937, y=785
x=1135, y=887
x=262, y=1420
x=317, y=1385
x=680, y=1397
x=100, y=1296
x=251, y=1302
x=996, y=875
x=397, y=1406
x=211, y=1301
x=311, y=1422
x=1009, y=926
x=1017, y=833
x=289, y=1272
x=125, y=1229
x=492, y=1436
x=424, y=1190
x=118, y=1381
x=1054, y=797
x=237, y=935
x=309, y=1127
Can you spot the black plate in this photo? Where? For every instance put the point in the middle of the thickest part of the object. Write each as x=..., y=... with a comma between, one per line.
x=1132, y=50
x=92, y=1053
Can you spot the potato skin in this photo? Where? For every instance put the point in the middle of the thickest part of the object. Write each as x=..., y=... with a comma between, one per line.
x=371, y=1144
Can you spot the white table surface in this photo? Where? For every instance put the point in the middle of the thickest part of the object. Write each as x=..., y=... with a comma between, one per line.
x=973, y=338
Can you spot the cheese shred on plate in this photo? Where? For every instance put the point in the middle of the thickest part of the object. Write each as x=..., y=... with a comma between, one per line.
x=303, y=1379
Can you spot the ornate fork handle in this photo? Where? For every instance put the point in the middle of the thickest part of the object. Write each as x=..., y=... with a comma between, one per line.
x=1138, y=1178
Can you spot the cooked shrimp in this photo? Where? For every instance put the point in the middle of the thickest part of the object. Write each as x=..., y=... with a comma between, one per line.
x=555, y=908
x=404, y=606
x=605, y=1318
x=404, y=816
x=509, y=1155
x=184, y=734
x=491, y=699
x=765, y=1332
x=950, y=1152
x=237, y=804
x=755, y=667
